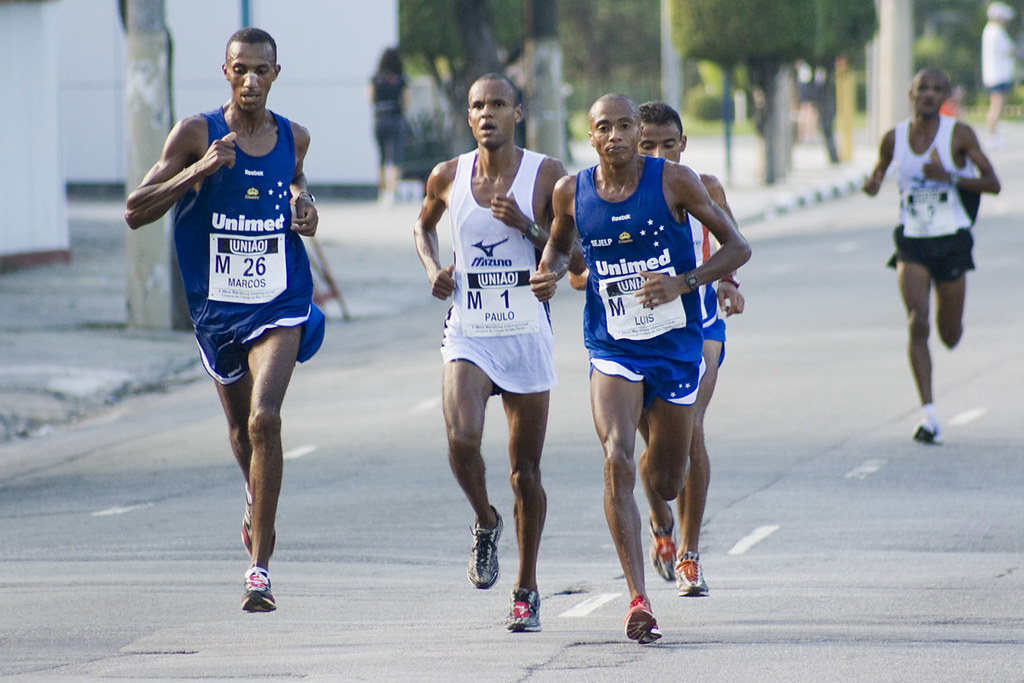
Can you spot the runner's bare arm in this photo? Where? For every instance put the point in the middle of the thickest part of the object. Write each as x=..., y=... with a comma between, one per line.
x=435, y=203
x=885, y=151
x=305, y=218
x=561, y=244
x=185, y=161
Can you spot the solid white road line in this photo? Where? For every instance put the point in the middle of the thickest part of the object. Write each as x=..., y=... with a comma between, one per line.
x=752, y=539
x=296, y=453
x=866, y=468
x=589, y=605
x=967, y=416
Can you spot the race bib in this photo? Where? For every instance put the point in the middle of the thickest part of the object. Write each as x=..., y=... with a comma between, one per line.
x=626, y=318
x=498, y=304
x=929, y=213
x=247, y=270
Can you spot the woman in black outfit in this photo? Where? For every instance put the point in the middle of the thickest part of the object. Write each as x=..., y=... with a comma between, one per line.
x=388, y=91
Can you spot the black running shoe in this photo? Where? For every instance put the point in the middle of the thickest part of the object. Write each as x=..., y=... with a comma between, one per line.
x=258, y=597
x=524, y=612
x=483, y=558
x=928, y=433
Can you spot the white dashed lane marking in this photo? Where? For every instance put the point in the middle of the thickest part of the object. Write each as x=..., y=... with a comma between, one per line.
x=296, y=453
x=866, y=469
x=429, y=404
x=752, y=539
x=589, y=605
x=967, y=416
x=120, y=509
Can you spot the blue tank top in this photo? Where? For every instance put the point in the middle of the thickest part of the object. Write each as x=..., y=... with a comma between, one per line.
x=622, y=238
x=238, y=225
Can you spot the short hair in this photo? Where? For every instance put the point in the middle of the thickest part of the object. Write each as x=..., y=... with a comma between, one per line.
x=252, y=36
x=660, y=114
x=496, y=76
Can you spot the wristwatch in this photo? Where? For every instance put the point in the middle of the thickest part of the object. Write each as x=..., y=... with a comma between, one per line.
x=691, y=280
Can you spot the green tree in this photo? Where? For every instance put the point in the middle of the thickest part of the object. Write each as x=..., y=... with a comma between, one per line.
x=842, y=29
x=761, y=35
x=610, y=46
x=456, y=41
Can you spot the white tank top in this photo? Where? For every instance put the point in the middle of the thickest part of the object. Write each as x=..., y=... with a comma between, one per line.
x=929, y=208
x=495, y=320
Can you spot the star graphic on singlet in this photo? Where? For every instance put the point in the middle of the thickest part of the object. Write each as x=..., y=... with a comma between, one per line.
x=650, y=221
x=656, y=243
x=643, y=233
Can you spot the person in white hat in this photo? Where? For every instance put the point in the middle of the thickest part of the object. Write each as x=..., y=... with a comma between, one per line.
x=998, y=60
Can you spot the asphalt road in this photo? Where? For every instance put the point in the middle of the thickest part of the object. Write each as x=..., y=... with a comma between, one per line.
x=836, y=549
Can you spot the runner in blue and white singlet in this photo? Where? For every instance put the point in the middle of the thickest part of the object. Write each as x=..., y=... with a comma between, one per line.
x=620, y=240
x=234, y=179
x=244, y=269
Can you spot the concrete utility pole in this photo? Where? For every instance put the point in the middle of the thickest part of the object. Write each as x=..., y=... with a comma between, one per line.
x=671, y=62
x=545, y=106
x=890, y=64
x=152, y=276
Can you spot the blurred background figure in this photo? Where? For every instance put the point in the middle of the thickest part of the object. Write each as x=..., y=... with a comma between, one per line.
x=997, y=65
x=954, y=104
x=388, y=94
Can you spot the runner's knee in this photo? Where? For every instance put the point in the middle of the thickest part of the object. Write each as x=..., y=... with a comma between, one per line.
x=917, y=325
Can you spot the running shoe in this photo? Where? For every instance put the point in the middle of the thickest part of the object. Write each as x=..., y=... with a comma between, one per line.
x=928, y=433
x=524, y=612
x=663, y=551
x=258, y=597
x=690, y=577
x=247, y=525
x=483, y=558
x=641, y=625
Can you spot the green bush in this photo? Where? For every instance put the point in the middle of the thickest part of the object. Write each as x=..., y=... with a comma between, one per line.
x=703, y=105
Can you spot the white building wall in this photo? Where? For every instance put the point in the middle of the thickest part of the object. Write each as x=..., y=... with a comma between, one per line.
x=328, y=50
x=32, y=214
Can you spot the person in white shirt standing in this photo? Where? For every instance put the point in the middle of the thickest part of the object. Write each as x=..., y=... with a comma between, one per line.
x=998, y=59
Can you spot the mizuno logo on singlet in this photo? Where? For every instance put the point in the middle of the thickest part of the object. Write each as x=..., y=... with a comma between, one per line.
x=488, y=249
x=624, y=267
x=624, y=217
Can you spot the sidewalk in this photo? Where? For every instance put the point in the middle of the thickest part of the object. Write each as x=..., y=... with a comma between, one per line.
x=67, y=352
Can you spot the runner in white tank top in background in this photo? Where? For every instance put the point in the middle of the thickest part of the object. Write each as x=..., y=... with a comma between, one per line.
x=497, y=336
x=941, y=171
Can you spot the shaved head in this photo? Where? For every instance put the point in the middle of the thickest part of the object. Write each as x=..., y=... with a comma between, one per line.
x=614, y=98
x=931, y=73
